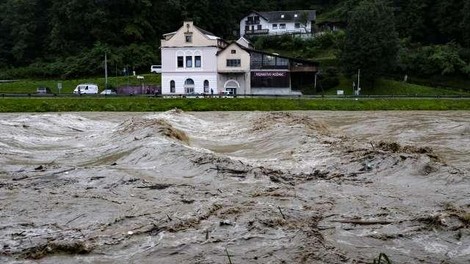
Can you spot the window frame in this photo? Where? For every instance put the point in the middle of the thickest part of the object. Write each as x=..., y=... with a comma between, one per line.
x=197, y=59
x=206, y=85
x=233, y=63
x=172, y=86
x=180, y=61
x=190, y=60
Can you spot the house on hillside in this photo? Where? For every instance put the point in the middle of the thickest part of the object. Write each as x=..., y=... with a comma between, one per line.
x=278, y=23
x=196, y=61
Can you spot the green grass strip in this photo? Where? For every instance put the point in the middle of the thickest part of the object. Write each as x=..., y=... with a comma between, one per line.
x=150, y=104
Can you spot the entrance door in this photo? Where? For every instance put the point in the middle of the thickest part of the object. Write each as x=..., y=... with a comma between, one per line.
x=206, y=86
x=189, y=86
x=231, y=87
x=231, y=90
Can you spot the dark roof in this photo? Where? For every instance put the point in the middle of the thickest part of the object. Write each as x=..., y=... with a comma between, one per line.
x=287, y=16
x=281, y=56
x=249, y=50
x=205, y=32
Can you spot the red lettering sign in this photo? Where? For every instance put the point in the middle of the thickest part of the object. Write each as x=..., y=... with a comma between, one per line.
x=270, y=74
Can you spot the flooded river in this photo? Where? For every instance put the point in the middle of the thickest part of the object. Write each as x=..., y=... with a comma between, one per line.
x=235, y=187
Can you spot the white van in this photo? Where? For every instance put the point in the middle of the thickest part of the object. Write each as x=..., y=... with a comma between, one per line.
x=156, y=68
x=86, y=88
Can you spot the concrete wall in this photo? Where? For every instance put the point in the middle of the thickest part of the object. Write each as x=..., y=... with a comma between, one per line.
x=272, y=91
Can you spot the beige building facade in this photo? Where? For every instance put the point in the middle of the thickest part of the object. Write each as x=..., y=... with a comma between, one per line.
x=233, y=65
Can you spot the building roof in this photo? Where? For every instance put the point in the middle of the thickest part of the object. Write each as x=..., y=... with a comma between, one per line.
x=287, y=16
x=251, y=50
x=206, y=33
x=292, y=59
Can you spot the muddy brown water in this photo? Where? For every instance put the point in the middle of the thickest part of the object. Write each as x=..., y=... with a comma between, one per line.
x=239, y=187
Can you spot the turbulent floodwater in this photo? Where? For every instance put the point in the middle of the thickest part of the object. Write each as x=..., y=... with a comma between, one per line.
x=239, y=187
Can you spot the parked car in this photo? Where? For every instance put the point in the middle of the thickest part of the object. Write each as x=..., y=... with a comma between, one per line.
x=108, y=92
x=193, y=95
x=156, y=68
x=227, y=94
x=43, y=90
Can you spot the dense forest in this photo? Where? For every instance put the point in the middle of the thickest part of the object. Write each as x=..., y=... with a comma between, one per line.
x=67, y=38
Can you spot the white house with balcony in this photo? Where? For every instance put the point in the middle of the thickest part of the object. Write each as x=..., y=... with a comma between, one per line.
x=189, y=62
x=278, y=23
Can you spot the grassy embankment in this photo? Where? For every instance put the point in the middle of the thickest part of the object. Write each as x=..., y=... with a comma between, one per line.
x=145, y=104
x=29, y=86
x=134, y=103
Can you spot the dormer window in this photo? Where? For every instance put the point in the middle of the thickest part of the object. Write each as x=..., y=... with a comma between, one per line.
x=188, y=35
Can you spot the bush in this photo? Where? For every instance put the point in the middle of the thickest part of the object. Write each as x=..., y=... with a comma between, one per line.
x=89, y=62
x=329, y=78
x=433, y=60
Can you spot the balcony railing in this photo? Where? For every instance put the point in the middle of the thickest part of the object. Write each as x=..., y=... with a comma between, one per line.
x=257, y=32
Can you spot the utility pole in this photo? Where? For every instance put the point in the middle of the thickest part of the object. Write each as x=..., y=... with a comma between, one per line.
x=358, y=81
x=105, y=71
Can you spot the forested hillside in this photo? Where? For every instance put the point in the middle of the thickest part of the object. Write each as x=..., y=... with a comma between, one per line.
x=67, y=38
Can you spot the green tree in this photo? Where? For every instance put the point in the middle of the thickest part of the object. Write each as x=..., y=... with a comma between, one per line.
x=447, y=17
x=22, y=25
x=371, y=41
x=465, y=25
x=433, y=60
x=412, y=20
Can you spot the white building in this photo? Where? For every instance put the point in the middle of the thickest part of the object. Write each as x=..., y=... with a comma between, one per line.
x=278, y=23
x=196, y=61
x=189, y=62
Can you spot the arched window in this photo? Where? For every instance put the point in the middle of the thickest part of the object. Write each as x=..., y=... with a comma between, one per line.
x=206, y=86
x=189, y=86
x=172, y=86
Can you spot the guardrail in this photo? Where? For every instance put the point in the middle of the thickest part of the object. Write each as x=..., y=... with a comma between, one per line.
x=189, y=96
